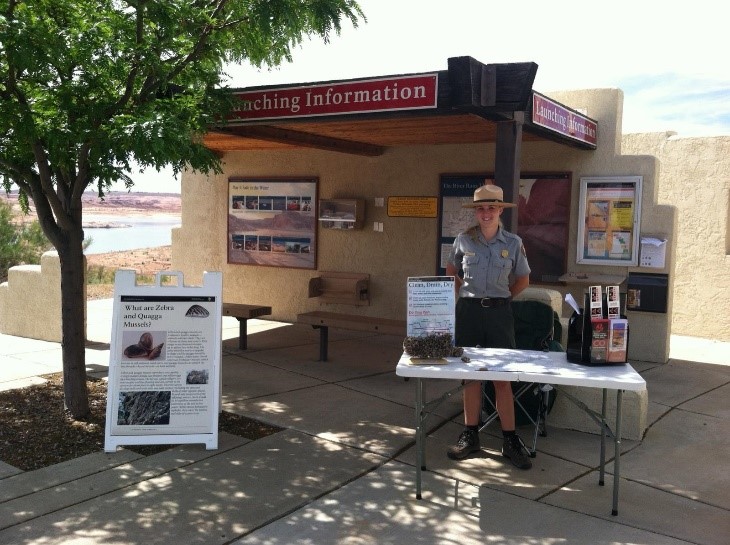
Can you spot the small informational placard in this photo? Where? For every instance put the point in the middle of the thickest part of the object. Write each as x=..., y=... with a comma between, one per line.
x=653, y=252
x=596, y=302
x=164, y=362
x=412, y=207
x=430, y=305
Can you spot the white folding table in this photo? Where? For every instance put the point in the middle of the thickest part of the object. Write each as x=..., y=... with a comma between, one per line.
x=526, y=366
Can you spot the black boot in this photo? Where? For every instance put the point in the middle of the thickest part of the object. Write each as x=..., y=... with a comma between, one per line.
x=514, y=449
x=467, y=444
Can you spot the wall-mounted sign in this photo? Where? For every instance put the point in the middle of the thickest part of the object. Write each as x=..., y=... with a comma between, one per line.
x=609, y=220
x=543, y=218
x=273, y=221
x=553, y=116
x=412, y=92
x=412, y=207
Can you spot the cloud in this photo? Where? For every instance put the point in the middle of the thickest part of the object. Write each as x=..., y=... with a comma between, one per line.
x=691, y=105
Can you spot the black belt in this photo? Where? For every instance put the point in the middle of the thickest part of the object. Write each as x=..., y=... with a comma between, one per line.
x=489, y=301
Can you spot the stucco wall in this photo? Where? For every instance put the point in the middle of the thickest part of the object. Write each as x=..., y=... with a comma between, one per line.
x=30, y=301
x=407, y=246
x=650, y=332
x=695, y=178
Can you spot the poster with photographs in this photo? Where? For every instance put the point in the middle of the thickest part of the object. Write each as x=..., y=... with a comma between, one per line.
x=164, y=364
x=610, y=216
x=543, y=218
x=273, y=222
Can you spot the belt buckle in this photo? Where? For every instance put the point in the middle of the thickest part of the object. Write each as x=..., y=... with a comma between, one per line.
x=487, y=300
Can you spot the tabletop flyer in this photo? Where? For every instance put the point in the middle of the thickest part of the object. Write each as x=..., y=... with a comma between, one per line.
x=431, y=305
x=164, y=363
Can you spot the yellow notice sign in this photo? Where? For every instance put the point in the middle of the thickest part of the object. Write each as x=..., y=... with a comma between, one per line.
x=412, y=207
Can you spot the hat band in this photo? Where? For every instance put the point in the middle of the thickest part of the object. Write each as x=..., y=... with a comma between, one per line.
x=489, y=200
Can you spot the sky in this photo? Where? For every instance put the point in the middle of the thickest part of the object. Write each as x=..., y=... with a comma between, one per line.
x=669, y=59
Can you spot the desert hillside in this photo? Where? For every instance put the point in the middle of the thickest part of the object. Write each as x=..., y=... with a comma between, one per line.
x=132, y=203
x=117, y=202
x=146, y=261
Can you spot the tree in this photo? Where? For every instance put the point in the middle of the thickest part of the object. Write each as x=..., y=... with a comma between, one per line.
x=89, y=86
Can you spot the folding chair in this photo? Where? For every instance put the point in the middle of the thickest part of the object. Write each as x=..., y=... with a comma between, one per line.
x=537, y=326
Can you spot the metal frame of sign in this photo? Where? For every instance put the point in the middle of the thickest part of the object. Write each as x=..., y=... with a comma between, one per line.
x=164, y=362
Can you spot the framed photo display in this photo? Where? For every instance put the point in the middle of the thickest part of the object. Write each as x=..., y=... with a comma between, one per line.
x=609, y=220
x=273, y=222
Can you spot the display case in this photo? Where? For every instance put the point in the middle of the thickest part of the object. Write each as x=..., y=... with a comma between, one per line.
x=341, y=213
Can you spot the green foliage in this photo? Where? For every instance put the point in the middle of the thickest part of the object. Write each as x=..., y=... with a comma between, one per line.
x=96, y=274
x=89, y=86
x=95, y=84
x=19, y=244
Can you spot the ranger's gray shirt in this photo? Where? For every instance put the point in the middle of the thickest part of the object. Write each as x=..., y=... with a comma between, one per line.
x=488, y=266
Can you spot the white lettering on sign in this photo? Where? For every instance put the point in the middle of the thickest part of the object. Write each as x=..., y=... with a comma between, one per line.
x=554, y=116
x=402, y=93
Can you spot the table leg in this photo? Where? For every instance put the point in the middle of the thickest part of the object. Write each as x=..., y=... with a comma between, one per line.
x=420, y=449
x=602, y=471
x=617, y=452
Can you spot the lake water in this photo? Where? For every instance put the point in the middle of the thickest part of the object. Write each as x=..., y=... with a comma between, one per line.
x=143, y=232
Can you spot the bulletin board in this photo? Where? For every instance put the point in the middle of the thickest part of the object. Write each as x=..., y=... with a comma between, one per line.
x=543, y=218
x=609, y=220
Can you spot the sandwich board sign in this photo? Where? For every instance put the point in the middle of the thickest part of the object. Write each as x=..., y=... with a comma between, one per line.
x=164, y=362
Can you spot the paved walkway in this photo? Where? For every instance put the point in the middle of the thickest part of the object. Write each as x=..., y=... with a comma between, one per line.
x=343, y=471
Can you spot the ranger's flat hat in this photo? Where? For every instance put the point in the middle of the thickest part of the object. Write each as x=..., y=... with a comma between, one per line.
x=491, y=195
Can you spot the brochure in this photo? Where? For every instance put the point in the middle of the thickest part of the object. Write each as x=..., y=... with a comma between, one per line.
x=618, y=340
x=599, y=340
x=613, y=302
x=596, y=302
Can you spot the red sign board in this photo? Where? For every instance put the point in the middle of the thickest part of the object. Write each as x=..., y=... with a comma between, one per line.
x=556, y=117
x=372, y=95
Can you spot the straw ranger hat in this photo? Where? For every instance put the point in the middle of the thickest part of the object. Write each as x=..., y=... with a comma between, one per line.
x=491, y=195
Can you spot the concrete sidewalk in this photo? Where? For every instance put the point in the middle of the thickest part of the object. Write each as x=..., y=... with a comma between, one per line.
x=343, y=470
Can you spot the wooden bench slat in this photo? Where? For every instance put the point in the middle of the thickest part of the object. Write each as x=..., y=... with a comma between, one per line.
x=325, y=320
x=340, y=287
x=243, y=313
x=358, y=323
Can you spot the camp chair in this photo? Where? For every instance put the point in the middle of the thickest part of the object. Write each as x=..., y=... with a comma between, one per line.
x=537, y=326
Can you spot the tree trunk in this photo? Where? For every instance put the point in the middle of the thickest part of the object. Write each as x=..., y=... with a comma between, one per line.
x=73, y=310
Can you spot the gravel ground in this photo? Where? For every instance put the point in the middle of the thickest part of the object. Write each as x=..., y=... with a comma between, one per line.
x=36, y=431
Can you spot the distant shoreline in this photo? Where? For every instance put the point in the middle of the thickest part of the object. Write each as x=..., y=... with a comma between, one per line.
x=117, y=203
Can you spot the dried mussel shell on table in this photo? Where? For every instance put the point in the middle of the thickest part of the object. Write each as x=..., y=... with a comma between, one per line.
x=431, y=346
